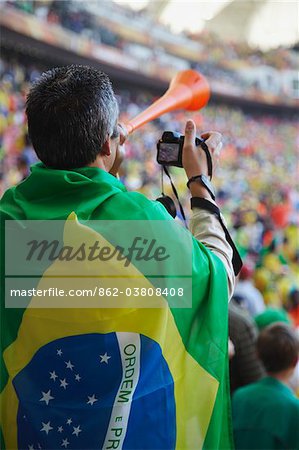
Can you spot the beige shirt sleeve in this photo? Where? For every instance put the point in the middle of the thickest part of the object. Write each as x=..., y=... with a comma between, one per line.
x=207, y=229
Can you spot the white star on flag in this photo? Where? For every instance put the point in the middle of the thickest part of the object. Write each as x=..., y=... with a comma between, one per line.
x=77, y=430
x=59, y=352
x=30, y=447
x=60, y=429
x=104, y=358
x=63, y=383
x=77, y=377
x=69, y=421
x=53, y=375
x=91, y=400
x=65, y=443
x=69, y=365
x=46, y=397
x=46, y=427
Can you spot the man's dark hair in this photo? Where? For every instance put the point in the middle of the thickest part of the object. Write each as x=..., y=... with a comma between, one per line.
x=71, y=112
x=278, y=347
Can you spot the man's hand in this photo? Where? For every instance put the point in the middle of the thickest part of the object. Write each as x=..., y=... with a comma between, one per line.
x=194, y=158
x=213, y=139
x=120, y=151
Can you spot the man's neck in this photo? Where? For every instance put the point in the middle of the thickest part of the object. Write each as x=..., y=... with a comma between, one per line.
x=99, y=164
x=283, y=376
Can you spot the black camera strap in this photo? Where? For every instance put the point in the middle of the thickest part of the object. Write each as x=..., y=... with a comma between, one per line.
x=203, y=203
x=209, y=158
x=175, y=192
x=205, y=148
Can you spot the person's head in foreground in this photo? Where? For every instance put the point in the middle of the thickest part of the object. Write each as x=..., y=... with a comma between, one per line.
x=265, y=413
x=278, y=349
x=73, y=118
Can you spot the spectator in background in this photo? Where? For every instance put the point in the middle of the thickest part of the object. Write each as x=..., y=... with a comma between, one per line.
x=245, y=367
x=271, y=315
x=274, y=315
x=266, y=413
x=293, y=306
x=252, y=298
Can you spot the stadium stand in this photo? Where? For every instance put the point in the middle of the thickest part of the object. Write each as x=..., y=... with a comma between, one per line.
x=107, y=34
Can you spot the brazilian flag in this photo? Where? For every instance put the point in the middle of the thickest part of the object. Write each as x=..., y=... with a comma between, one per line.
x=131, y=373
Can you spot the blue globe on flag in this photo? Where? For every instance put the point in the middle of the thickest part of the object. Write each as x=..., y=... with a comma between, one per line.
x=96, y=391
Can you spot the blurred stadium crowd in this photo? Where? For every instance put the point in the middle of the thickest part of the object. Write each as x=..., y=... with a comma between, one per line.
x=150, y=47
x=256, y=180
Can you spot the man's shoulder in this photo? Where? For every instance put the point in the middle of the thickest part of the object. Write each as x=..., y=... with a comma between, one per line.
x=248, y=391
x=137, y=198
x=7, y=204
x=265, y=387
x=7, y=196
x=268, y=409
x=134, y=205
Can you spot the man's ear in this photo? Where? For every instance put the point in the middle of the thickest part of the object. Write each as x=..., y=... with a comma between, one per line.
x=106, y=150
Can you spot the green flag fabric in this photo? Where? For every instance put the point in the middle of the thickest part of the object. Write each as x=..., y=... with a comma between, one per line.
x=55, y=392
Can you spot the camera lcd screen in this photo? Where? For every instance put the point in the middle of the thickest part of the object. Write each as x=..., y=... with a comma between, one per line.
x=168, y=152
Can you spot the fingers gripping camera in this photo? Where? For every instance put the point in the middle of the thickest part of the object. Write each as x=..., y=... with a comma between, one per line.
x=170, y=150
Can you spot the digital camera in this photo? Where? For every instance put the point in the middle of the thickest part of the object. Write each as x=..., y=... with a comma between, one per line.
x=170, y=148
